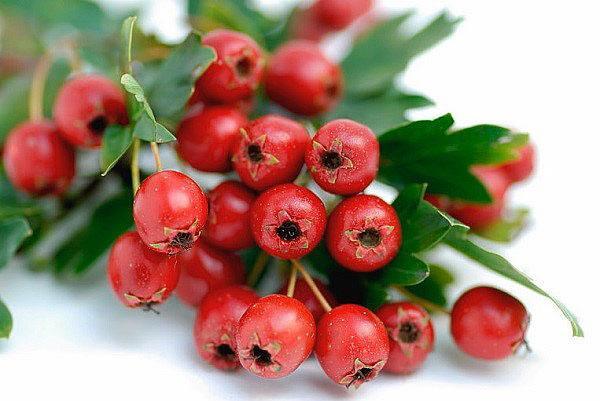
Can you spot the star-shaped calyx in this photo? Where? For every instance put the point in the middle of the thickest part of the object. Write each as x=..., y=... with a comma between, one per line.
x=289, y=231
x=408, y=333
x=331, y=160
x=369, y=237
x=146, y=304
x=178, y=239
x=361, y=373
x=253, y=155
x=222, y=353
x=262, y=355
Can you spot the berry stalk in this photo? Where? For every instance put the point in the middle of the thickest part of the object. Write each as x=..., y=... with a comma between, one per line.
x=155, y=152
x=312, y=285
x=36, y=95
x=135, y=167
x=292, y=282
x=257, y=268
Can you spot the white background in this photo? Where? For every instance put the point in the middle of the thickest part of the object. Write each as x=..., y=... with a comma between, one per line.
x=532, y=65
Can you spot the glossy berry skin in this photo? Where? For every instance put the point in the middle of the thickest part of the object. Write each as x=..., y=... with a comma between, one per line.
x=343, y=157
x=228, y=225
x=275, y=336
x=304, y=294
x=288, y=221
x=85, y=106
x=301, y=79
x=205, y=139
x=237, y=71
x=169, y=210
x=339, y=14
x=270, y=151
x=363, y=233
x=411, y=336
x=520, y=169
x=488, y=323
x=139, y=276
x=205, y=268
x=352, y=345
x=216, y=324
x=36, y=159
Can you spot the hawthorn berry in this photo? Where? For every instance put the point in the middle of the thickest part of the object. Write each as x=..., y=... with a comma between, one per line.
x=306, y=25
x=139, y=276
x=216, y=324
x=237, y=71
x=36, y=159
x=85, y=106
x=288, y=221
x=205, y=139
x=343, y=157
x=363, y=233
x=352, y=345
x=488, y=323
x=270, y=152
x=228, y=225
x=520, y=169
x=204, y=268
x=339, y=14
x=304, y=294
x=275, y=336
x=411, y=336
x=302, y=79
x=169, y=210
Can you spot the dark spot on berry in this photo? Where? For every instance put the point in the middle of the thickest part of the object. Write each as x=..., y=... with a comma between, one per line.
x=409, y=332
x=226, y=352
x=46, y=189
x=183, y=240
x=255, y=153
x=243, y=67
x=361, y=375
x=370, y=238
x=331, y=160
x=332, y=90
x=288, y=231
x=98, y=124
x=262, y=357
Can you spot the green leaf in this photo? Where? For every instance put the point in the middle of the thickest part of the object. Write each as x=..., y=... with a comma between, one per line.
x=126, y=44
x=375, y=295
x=6, y=322
x=433, y=288
x=12, y=233
x=498, y=264
x=174, y=81
x=405, y=269
x=13, y=203
x=115, y=142
x=57, y=75
x=508, y=228
x=14, y=93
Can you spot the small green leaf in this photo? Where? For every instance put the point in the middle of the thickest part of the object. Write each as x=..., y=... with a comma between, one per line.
x=126, y=44
x=405, y=269
x=458, y=240
x=12, y=233
x=508, y=228
x=14, y=93
x=6, y=322
x=115, y=142
x=12, y=202
x=433, y=288
x=375, y=295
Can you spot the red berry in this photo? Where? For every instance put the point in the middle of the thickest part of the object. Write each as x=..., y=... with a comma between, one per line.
x=352, y=345
x=275, y=336
x=270, y=152
x=488, y=323
x=139, y=276
x=343, y=157
x=205, y=139
x=339, y=14
x=521, y=169
x=204, y=268
x=216, y=324
x=85, y=106
x=197, y=102
x=411, y=336
x=169, y=211
x=304, y=294
x=363, y=233
x=228, y=225
x=288, y=221
x=36, y=159
x=237, y=71
x=301, y=79
x=477, y=215
x=305, y=25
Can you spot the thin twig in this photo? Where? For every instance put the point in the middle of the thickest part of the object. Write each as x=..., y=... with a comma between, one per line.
x=135, y=167
x=257, y=268
x=311, y=284
x=292, y=282
x=156, y=154
x=420, y=301
x=36, y=95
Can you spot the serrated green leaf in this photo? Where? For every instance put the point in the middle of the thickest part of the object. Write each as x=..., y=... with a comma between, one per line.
x=6, y=322
x=506, y=229
x=498, y=264
x=115, y=142
x=12, y=233
x=405, y=269
x=433, y=288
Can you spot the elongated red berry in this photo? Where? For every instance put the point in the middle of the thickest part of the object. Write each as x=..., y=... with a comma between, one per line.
x=238, y=70
x=216, y=324
x=411, y=336
x=205, y=268
x=288, y=221
x=520, y=169
x=488, y=323
x=139, y=276
x=228, y=225
x=36, y=159
x=363, y=233
x=302, y=79
x=343, y=157
x=85, y=106
x=339, y=14
x=270, y=152
x=275, y=336
x=352, y=345
x=304, y=294
x=169, y=211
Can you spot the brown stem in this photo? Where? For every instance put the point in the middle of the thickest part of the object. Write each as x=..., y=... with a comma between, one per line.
x=36, y=95
x=154, y=147
x=311, y=284
x=292, y=282
x=420, y=301
x=257, y=268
